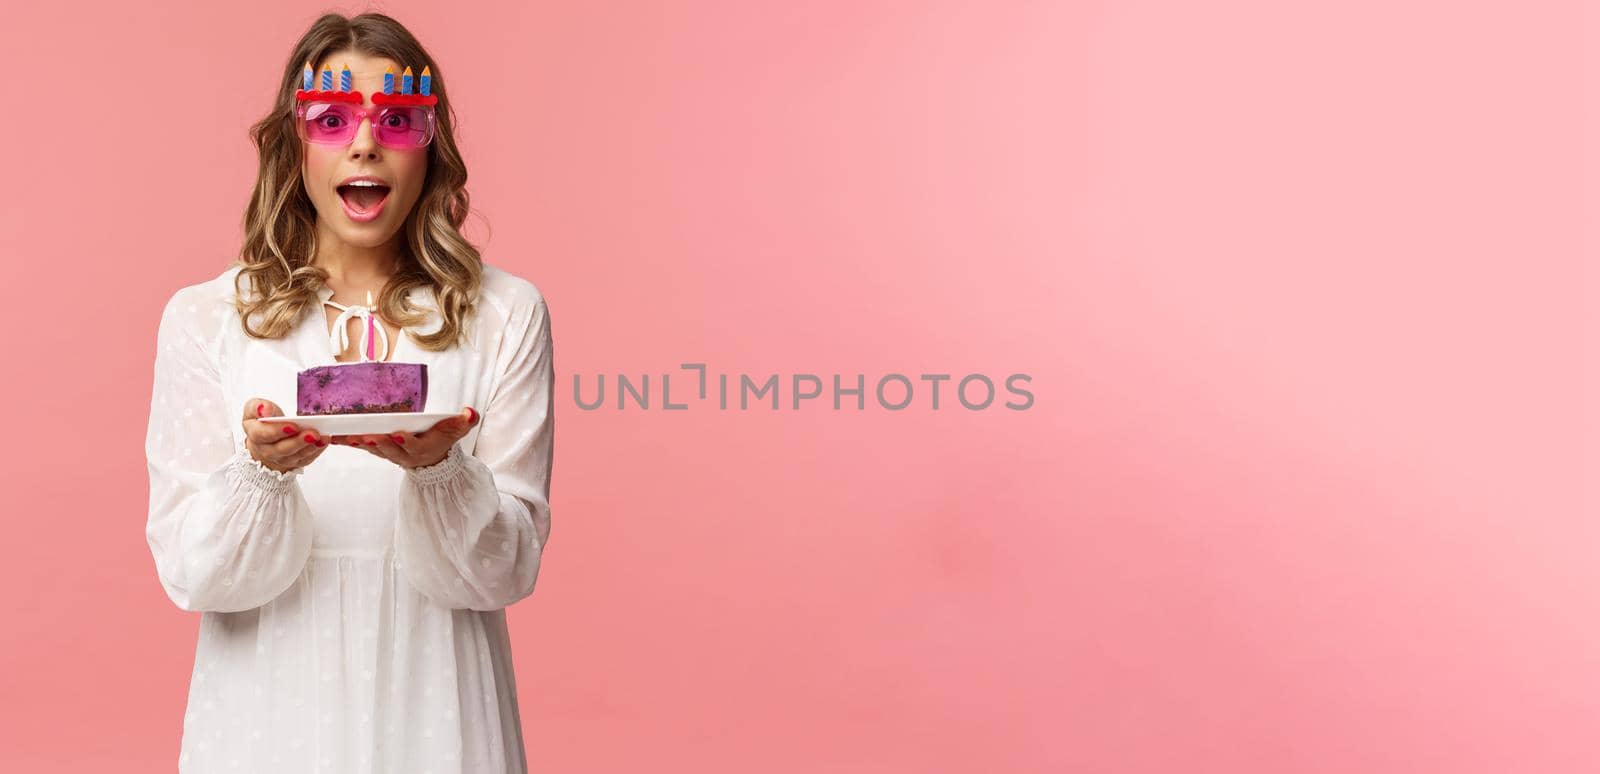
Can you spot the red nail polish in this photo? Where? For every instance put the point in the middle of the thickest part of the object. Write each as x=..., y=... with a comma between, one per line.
x=372, y=443
x=310, y=438
x=261, y=409
x=289, y=430
x=400, y=440
x=473, y=416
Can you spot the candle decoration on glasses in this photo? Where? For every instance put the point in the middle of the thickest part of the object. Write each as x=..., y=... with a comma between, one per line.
x=423, y=96
x=326, y=94
x=403, y=95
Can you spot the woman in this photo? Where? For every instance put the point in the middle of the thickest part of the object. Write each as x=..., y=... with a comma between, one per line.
x=352, y=587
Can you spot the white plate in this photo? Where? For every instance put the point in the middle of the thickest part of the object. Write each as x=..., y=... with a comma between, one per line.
x=357, y=424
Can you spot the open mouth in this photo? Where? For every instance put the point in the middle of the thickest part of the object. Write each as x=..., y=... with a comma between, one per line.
x=363, y=201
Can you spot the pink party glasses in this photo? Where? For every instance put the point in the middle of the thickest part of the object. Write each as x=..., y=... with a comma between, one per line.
x=394, y=126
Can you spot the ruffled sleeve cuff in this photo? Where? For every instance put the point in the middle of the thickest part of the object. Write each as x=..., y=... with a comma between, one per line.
x=249, y=470
x=441, y=471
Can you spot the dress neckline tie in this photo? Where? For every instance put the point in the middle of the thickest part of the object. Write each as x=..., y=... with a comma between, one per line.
x=339, y=337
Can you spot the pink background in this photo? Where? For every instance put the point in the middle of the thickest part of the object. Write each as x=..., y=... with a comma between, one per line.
x=1300, y=286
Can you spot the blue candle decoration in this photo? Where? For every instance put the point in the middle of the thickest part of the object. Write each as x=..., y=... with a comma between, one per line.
x=327, y=80
x=344, y=79
x=405, y=81
x=427, y=78
x=388, y=81
x=305, y=80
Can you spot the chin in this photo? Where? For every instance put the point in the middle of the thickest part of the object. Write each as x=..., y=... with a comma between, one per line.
x=374, y=236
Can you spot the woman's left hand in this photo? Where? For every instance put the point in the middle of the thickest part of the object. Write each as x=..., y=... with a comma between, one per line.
x=416, y=450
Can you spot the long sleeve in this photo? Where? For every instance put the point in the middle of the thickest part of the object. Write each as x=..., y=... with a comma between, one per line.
x=227, y=533
x=472, y=528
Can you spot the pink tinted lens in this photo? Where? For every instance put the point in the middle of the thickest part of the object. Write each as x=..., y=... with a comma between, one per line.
x=330, y=123
x=403, y=127
x=395, y=126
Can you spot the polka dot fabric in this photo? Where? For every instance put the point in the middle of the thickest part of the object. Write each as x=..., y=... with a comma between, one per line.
x=352, y=612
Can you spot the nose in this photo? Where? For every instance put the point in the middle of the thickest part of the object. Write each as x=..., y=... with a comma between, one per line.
x=364, y=146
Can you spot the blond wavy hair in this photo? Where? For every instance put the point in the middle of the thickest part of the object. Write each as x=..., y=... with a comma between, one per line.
x=279, y=224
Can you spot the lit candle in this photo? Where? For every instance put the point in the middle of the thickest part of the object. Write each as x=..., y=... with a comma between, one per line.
x=427, y=79
x=370, y=338
x=405, y=81
x=344, y=79
x=327, y=80
x=305, y=80
x=388, y=81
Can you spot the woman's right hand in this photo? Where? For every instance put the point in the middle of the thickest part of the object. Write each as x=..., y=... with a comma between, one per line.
x=282, y=447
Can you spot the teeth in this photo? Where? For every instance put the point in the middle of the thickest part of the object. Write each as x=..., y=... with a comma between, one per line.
x=366, y=184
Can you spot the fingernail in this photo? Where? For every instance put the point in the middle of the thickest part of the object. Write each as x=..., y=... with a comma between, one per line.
x=310, y=438
x=261, y=409
x=289, y=430
x=400, y=440
x=372, y=443
x=474, y=416
x=320, y=443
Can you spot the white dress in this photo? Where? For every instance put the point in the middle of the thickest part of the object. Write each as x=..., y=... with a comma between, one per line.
x=352, y=610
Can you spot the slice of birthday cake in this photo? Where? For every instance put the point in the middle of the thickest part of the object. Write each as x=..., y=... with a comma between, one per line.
x=362, y=388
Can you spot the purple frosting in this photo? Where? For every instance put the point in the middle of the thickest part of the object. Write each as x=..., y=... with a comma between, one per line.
x=362, y=388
